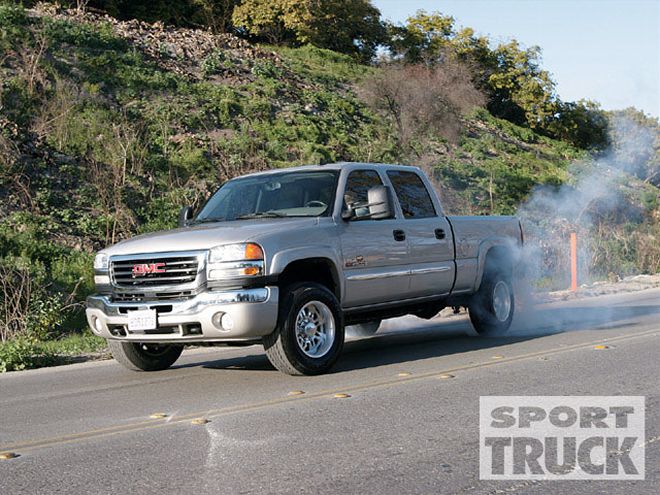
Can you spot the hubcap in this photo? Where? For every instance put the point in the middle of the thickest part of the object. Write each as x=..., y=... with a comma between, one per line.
x=501, y=301
x=315, y=329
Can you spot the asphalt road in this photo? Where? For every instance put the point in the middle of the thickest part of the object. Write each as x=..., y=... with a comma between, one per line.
x=406, y=427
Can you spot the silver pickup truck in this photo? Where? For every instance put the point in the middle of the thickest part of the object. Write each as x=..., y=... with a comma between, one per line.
x=290, y=257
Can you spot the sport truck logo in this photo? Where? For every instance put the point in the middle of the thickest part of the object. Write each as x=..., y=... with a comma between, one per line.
x=144, y=269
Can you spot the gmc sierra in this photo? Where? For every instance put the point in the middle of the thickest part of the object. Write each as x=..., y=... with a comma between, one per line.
x=291, y=256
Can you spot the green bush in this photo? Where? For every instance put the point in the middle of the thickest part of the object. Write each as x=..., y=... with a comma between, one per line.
x=24, y=353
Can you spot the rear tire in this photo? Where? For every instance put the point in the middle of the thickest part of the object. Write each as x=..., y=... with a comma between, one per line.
x=140, y=356
x=363, y=329
x=492, y=307
x=310, y=331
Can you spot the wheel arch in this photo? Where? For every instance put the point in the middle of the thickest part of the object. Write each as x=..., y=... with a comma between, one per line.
x=318, y=269
x=495, y=254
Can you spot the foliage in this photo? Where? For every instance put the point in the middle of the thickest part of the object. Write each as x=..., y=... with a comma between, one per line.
x=28, y=352
x=23, y=353
x=211, y=14
x=423, y=100
x=518, y=89
x=636, y=143
x=346, y=26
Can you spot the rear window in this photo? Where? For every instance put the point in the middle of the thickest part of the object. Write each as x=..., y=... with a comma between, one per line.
x=414, y=198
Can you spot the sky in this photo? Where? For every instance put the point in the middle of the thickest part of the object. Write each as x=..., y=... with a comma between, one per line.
x=603, y=50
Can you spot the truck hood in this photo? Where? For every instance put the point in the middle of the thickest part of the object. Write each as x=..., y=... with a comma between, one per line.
x=206, y=236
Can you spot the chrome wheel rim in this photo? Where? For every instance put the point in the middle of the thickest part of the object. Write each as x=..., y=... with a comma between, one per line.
x=315, y=329
x=501, y=301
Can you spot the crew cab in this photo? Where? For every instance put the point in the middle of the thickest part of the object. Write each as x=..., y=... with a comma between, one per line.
x=290, y=257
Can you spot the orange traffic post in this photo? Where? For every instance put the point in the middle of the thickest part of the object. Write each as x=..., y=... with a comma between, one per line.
x=573, y=261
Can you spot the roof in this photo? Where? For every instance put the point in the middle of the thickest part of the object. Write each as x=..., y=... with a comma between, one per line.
x=332, y=166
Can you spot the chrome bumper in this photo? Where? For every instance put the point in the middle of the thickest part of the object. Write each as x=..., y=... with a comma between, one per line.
x=252, y=311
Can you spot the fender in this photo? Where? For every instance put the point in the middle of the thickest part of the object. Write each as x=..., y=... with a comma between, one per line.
x=285, y=257
x=486, y=246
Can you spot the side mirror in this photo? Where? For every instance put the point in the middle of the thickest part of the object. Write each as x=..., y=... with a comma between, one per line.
x=377, y=207
x=379, y=202
x=185, y=216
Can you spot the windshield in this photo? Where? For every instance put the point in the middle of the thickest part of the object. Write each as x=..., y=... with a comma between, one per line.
x=288, y=194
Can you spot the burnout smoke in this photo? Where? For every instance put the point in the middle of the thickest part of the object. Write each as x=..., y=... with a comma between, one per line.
x=595, y=204
x=591, y=204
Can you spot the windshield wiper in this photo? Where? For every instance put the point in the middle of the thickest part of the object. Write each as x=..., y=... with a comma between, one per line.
x=262, y=214
x=207, y=220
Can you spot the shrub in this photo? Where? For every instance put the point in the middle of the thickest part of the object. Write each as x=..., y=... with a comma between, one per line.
x=23, y=353
x=423, y=100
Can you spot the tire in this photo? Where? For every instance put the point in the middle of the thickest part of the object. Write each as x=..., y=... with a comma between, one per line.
x=138, y=356
x=492, y=307
x=363, y=329
x=310, y=331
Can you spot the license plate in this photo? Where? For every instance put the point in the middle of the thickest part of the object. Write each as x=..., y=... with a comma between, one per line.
x=144, y=319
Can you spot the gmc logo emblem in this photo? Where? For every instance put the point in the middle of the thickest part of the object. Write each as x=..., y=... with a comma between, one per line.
x=146, y=268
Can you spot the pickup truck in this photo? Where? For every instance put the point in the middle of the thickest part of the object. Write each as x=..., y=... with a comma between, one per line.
x=290, y=257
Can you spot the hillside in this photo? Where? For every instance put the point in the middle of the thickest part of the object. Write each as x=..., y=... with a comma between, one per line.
x=107, y=128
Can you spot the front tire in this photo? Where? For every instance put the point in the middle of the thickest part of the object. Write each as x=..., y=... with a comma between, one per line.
x=140, y=356
x=310, y=332
x=492, y=307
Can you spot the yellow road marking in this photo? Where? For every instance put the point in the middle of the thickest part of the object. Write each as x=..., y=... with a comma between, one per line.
x=213, y=413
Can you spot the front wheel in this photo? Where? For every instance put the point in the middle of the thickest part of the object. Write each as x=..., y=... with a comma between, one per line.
x=139, y=356
x=310, y=332
x=491, y=309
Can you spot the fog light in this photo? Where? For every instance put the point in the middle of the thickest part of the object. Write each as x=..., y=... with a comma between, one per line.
x=217, y=320
x=97, y=325
x=227, y=322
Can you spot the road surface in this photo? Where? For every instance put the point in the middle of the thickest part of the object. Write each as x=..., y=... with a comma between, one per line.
x=409, y=425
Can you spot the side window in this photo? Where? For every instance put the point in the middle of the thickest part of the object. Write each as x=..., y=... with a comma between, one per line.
x=412, y=193
x=357, y=185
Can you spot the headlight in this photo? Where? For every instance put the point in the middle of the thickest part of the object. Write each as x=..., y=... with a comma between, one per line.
x=235, y=261
x=101, y=261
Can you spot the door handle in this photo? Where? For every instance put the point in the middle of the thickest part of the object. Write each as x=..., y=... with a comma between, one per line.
x=440, y=233
x=399, y=235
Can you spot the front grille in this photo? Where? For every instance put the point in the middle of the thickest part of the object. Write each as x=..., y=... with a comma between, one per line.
x=154, y=271
x=156, y=296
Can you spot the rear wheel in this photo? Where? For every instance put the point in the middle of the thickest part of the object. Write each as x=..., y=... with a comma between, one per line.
x=140, y=356
x=310, y=332
x=492, y=307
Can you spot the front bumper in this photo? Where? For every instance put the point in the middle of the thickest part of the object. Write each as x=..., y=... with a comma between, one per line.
x=253, y=312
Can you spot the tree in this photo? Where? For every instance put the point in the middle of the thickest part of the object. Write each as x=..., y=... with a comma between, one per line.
x=211, y=14
x=582, y=123
x=636, y=143
x=423, y=101
x=346, y=26
x=516, y=87
x=424, y=38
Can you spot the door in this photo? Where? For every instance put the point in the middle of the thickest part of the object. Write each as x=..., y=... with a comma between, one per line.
x=374, y=252
x=431, y=246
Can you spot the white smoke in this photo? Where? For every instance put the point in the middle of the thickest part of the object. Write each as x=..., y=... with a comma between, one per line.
x=597, y=195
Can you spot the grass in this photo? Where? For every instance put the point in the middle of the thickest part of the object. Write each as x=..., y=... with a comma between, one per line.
x=24, y=353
